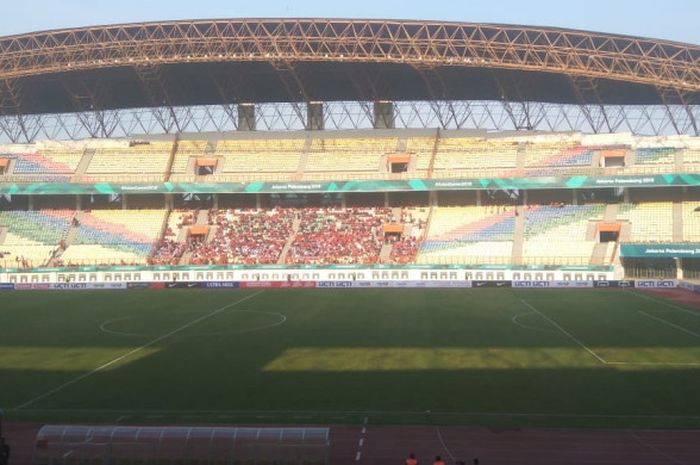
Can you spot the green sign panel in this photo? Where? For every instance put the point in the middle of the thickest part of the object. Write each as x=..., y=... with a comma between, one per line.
x=545, y=182
x=660, y=250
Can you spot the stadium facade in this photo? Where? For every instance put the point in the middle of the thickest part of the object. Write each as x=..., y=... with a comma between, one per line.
x=314, y=149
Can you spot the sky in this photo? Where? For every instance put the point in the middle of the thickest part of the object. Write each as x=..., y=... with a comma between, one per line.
x=664, y=19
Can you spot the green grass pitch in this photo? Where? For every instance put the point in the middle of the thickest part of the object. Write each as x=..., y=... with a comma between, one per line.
x=508, y=357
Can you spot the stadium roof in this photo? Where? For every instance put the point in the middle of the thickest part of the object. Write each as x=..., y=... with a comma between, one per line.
x=183, y=63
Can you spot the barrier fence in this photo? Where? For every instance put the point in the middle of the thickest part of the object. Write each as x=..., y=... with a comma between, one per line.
x=415, y=284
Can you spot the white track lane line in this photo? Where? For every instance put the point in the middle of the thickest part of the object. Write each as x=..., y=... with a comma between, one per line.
x=663, y=302
x=566, y=333
x=134, y=351
x=442, y=441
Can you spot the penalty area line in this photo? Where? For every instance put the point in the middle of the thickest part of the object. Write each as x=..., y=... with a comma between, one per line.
x=134, y=351
x=566, y=333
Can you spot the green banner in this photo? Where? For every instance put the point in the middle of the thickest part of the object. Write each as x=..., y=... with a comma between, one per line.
x=660, y=250
x=84, y=269
x=547, y=182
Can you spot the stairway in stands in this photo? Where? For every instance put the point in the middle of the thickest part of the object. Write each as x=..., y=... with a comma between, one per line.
x=677, y=221
x=611, y=211
x=290, y=241
x=303, y=159
x=599, y=255
x=518, y=236
x=83, y=165
x=70, y=236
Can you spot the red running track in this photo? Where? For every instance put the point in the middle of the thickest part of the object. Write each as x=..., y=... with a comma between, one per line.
x=385, y=445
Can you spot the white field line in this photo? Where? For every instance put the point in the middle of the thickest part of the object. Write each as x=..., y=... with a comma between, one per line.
x=442, y=441
x=134, y=351
x=566, y=333
x=517, y=322
x=672, y=325
x=667, y=304
x=277, y=413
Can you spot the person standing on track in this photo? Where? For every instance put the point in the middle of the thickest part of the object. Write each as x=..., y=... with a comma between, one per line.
x=411, y=460
x=4, y=452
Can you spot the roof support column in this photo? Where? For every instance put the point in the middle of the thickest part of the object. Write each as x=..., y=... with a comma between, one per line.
x=384, y=117
x=246, y=117
x=314, y=116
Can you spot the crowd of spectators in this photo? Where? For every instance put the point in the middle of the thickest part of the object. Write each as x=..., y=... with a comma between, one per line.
x=325, y=236
x=405, y=248
x=339, y=236
x=168, y=250
x=245, y=236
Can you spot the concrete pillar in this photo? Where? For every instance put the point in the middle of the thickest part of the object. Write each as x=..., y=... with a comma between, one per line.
x=314, y=116
x=257, y=201
x=626, y=195
x=216, y=201
x=525, y=198
x=574, y=197
x=30, y=202
x=384, y=115
x=246, y=117
x=478, y=198
x=433, y=198
x=78, y=202
x=125, y=202
x=169, y=201
x=343, y=203
x=386, y=199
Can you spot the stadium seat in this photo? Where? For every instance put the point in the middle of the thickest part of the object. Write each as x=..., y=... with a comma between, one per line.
x=691, y=221
x=649, y=221
x=469, y=235
x=32, y=236
x=556, y=235
x=129, y=235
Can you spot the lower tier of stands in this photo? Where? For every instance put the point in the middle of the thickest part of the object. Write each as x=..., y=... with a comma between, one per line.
x=32, y=237
x=555, y=234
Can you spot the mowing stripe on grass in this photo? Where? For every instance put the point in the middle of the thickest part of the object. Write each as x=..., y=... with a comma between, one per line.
x=134, y=351
x=566, y=333
x=672, y=325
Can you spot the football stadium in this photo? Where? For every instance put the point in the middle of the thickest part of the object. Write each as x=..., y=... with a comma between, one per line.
x=325, y=241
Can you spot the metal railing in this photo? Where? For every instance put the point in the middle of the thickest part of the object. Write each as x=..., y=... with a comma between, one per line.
x=503, y=172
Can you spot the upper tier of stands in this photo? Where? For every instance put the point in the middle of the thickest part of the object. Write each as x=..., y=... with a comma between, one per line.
x=332, y=156
x=347, y=158
x=143, y=160
x=474, y=156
